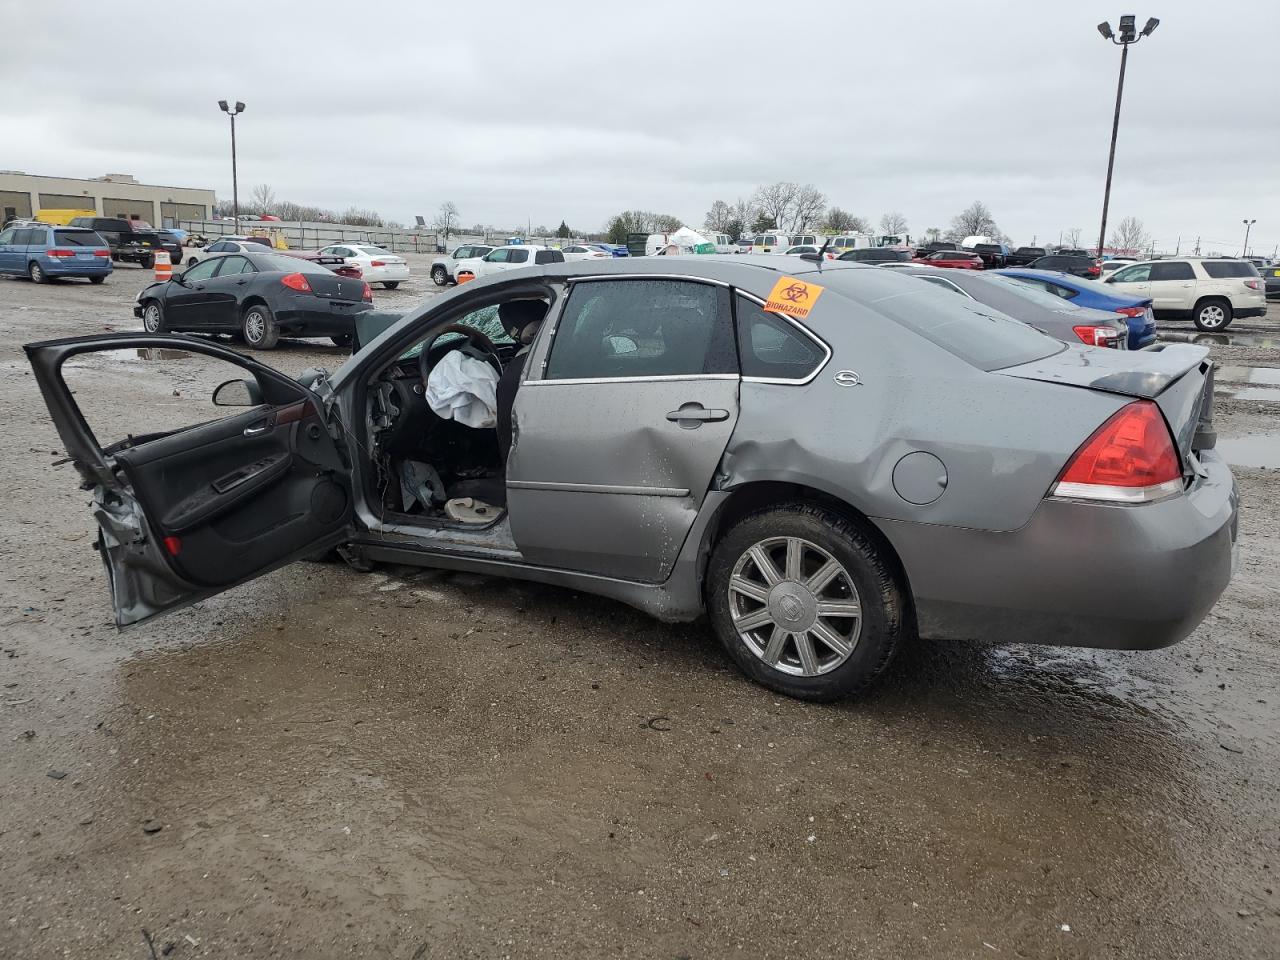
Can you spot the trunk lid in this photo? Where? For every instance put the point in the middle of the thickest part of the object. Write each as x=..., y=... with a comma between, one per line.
x=1177, y=376
x=331, y=286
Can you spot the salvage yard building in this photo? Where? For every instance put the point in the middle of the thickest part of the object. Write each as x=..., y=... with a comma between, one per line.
x=113, y=195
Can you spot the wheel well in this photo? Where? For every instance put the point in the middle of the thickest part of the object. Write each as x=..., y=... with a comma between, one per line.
x=254, y=301
x=1211, y=299
x=753, y=496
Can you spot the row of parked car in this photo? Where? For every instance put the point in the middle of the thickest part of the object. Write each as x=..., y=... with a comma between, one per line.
x=85, y=247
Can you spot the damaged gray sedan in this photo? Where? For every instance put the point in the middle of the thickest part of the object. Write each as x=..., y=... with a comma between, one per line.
x=827, y=461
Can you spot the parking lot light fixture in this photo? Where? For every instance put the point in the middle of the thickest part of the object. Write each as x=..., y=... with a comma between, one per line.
x=232, y=111
x=1128, y=35
x=1248, y=225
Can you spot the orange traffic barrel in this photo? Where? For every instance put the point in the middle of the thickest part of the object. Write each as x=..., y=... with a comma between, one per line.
x=164, y=267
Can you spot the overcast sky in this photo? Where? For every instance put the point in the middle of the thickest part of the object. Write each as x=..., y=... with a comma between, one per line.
x=548, y=111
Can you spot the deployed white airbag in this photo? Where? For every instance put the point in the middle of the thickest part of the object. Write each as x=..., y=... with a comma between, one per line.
x=465, y=389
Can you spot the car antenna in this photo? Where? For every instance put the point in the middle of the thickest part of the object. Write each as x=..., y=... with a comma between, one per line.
x=819, y=256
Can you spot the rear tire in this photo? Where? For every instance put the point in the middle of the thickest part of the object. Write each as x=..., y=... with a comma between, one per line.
x=1212, y=314
x=36, y=273
x=819, y=561
x=259, y=327
x=97, y=279
x=153, y=317
x=391, y=284
x=146, y=263
x=192, y=261
x=439, y=276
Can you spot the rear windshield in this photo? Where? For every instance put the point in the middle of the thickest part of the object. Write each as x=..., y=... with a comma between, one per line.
x=987, y=248
x=977, y=334
x=375, y=251
x=77, y=238
x=278, y=261
x=1224, y=269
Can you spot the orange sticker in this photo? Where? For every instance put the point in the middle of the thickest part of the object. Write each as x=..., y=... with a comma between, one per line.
x=793, y=297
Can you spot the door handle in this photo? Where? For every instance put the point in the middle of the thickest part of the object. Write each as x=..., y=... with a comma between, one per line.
x=241, y=283
x=692, y=415
x=257, y=431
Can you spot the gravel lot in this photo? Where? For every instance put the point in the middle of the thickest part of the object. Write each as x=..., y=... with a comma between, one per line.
x=412, y=764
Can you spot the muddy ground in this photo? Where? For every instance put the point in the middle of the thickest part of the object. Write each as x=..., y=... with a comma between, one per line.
x=419, y=764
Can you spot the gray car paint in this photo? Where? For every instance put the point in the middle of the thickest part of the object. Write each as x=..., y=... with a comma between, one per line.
x=1002, y=438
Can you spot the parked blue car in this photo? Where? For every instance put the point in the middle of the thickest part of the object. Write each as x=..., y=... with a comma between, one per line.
x=1090, y=293
x=43, y=252
x=610, y=248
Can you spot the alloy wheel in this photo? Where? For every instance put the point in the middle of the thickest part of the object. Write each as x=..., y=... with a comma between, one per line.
x=151, y=318
x=795, y=606
x=1212, y=316
x=255, y=326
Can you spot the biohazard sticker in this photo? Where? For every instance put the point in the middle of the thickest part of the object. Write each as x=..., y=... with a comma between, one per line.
x=793, y=297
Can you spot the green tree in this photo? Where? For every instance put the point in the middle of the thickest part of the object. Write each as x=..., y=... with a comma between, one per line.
x=563, y=231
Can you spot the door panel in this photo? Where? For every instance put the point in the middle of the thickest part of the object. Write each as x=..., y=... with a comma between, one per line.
x=186, y=514
x=599, y=479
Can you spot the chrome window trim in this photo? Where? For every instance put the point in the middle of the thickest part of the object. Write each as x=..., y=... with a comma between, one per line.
x=647, y=276
x=670, y=378
x=785, y=381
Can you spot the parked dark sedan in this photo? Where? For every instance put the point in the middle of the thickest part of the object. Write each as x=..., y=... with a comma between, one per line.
x=260, y=296
x=1272, y=277
x=172, y=245
x=1086, y=267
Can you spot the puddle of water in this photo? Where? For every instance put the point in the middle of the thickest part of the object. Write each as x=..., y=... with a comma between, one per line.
x=1265, y=394
x=161, y=353
x=1267, y=376
x=1262, y=450
x=1222, y=339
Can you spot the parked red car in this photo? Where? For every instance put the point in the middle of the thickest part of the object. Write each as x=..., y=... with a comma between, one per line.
x=337, y=264
x=960, y=259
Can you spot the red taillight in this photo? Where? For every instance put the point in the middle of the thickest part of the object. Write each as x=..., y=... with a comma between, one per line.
x=102, y=253
x=377, y=263
x=368, y=294
x=60, y=253
x=296, y=281
x=1130, y=459
x=1132, y=311
x=1253, y=284
x=1096, y=336
x=173, y=545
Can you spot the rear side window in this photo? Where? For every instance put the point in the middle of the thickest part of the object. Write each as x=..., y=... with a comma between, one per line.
x=28, y=236
x=77, y=238
x=548, y=256
x=1174, y=270
x=773, y=348
x=517, y=256
x=1225, y=269
x=280, y=261
x=643, y=328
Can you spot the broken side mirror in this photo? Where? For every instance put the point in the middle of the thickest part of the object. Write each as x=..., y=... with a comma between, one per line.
x=237, y=393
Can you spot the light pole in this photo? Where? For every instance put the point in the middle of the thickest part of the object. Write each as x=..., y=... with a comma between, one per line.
x=235, y=187
x=1248, y=225
x=1128, y=34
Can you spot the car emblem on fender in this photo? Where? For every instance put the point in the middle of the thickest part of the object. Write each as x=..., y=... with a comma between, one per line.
x=847, y=378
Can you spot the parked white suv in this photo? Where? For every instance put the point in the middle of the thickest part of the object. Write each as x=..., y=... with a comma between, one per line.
x=1211, y=292
x=510, y=257
x=444, y=269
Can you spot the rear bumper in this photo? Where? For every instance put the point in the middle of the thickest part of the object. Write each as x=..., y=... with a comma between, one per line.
x=1250, y=311
x=381, y=274
x=1078, y=574
x=73, y=267
x=314, y=317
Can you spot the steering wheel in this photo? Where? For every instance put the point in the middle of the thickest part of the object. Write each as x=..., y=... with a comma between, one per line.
x=474, y=338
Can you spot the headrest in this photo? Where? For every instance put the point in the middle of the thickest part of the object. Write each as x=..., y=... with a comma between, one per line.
x=516, y=315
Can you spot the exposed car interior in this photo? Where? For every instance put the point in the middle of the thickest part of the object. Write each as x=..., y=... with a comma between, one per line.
x=440, y=416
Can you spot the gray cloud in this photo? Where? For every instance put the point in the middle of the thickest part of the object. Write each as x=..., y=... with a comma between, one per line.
x=575, y=112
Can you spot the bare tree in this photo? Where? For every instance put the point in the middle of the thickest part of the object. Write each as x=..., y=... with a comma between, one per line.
x=807, y=208
x=360, y=218
x=974, y=220
x=775, y=202
x=743, y=212
x=719, y=218
x=1072, y=236
x=1129, y=235
x=666, y=223
x=934, y=234
x=841, y=221
x=893, y=223
x=263, y=199
x=446, y=221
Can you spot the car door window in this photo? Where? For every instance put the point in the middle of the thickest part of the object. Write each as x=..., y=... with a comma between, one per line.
x=1172, y=270
x=220, y=247
x=643, y=328
x=773, y=348
x=517, y=256
x=1138, y=274
x=24, y=237
x=230, y=266
x=496, y=256
x=202, y=270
